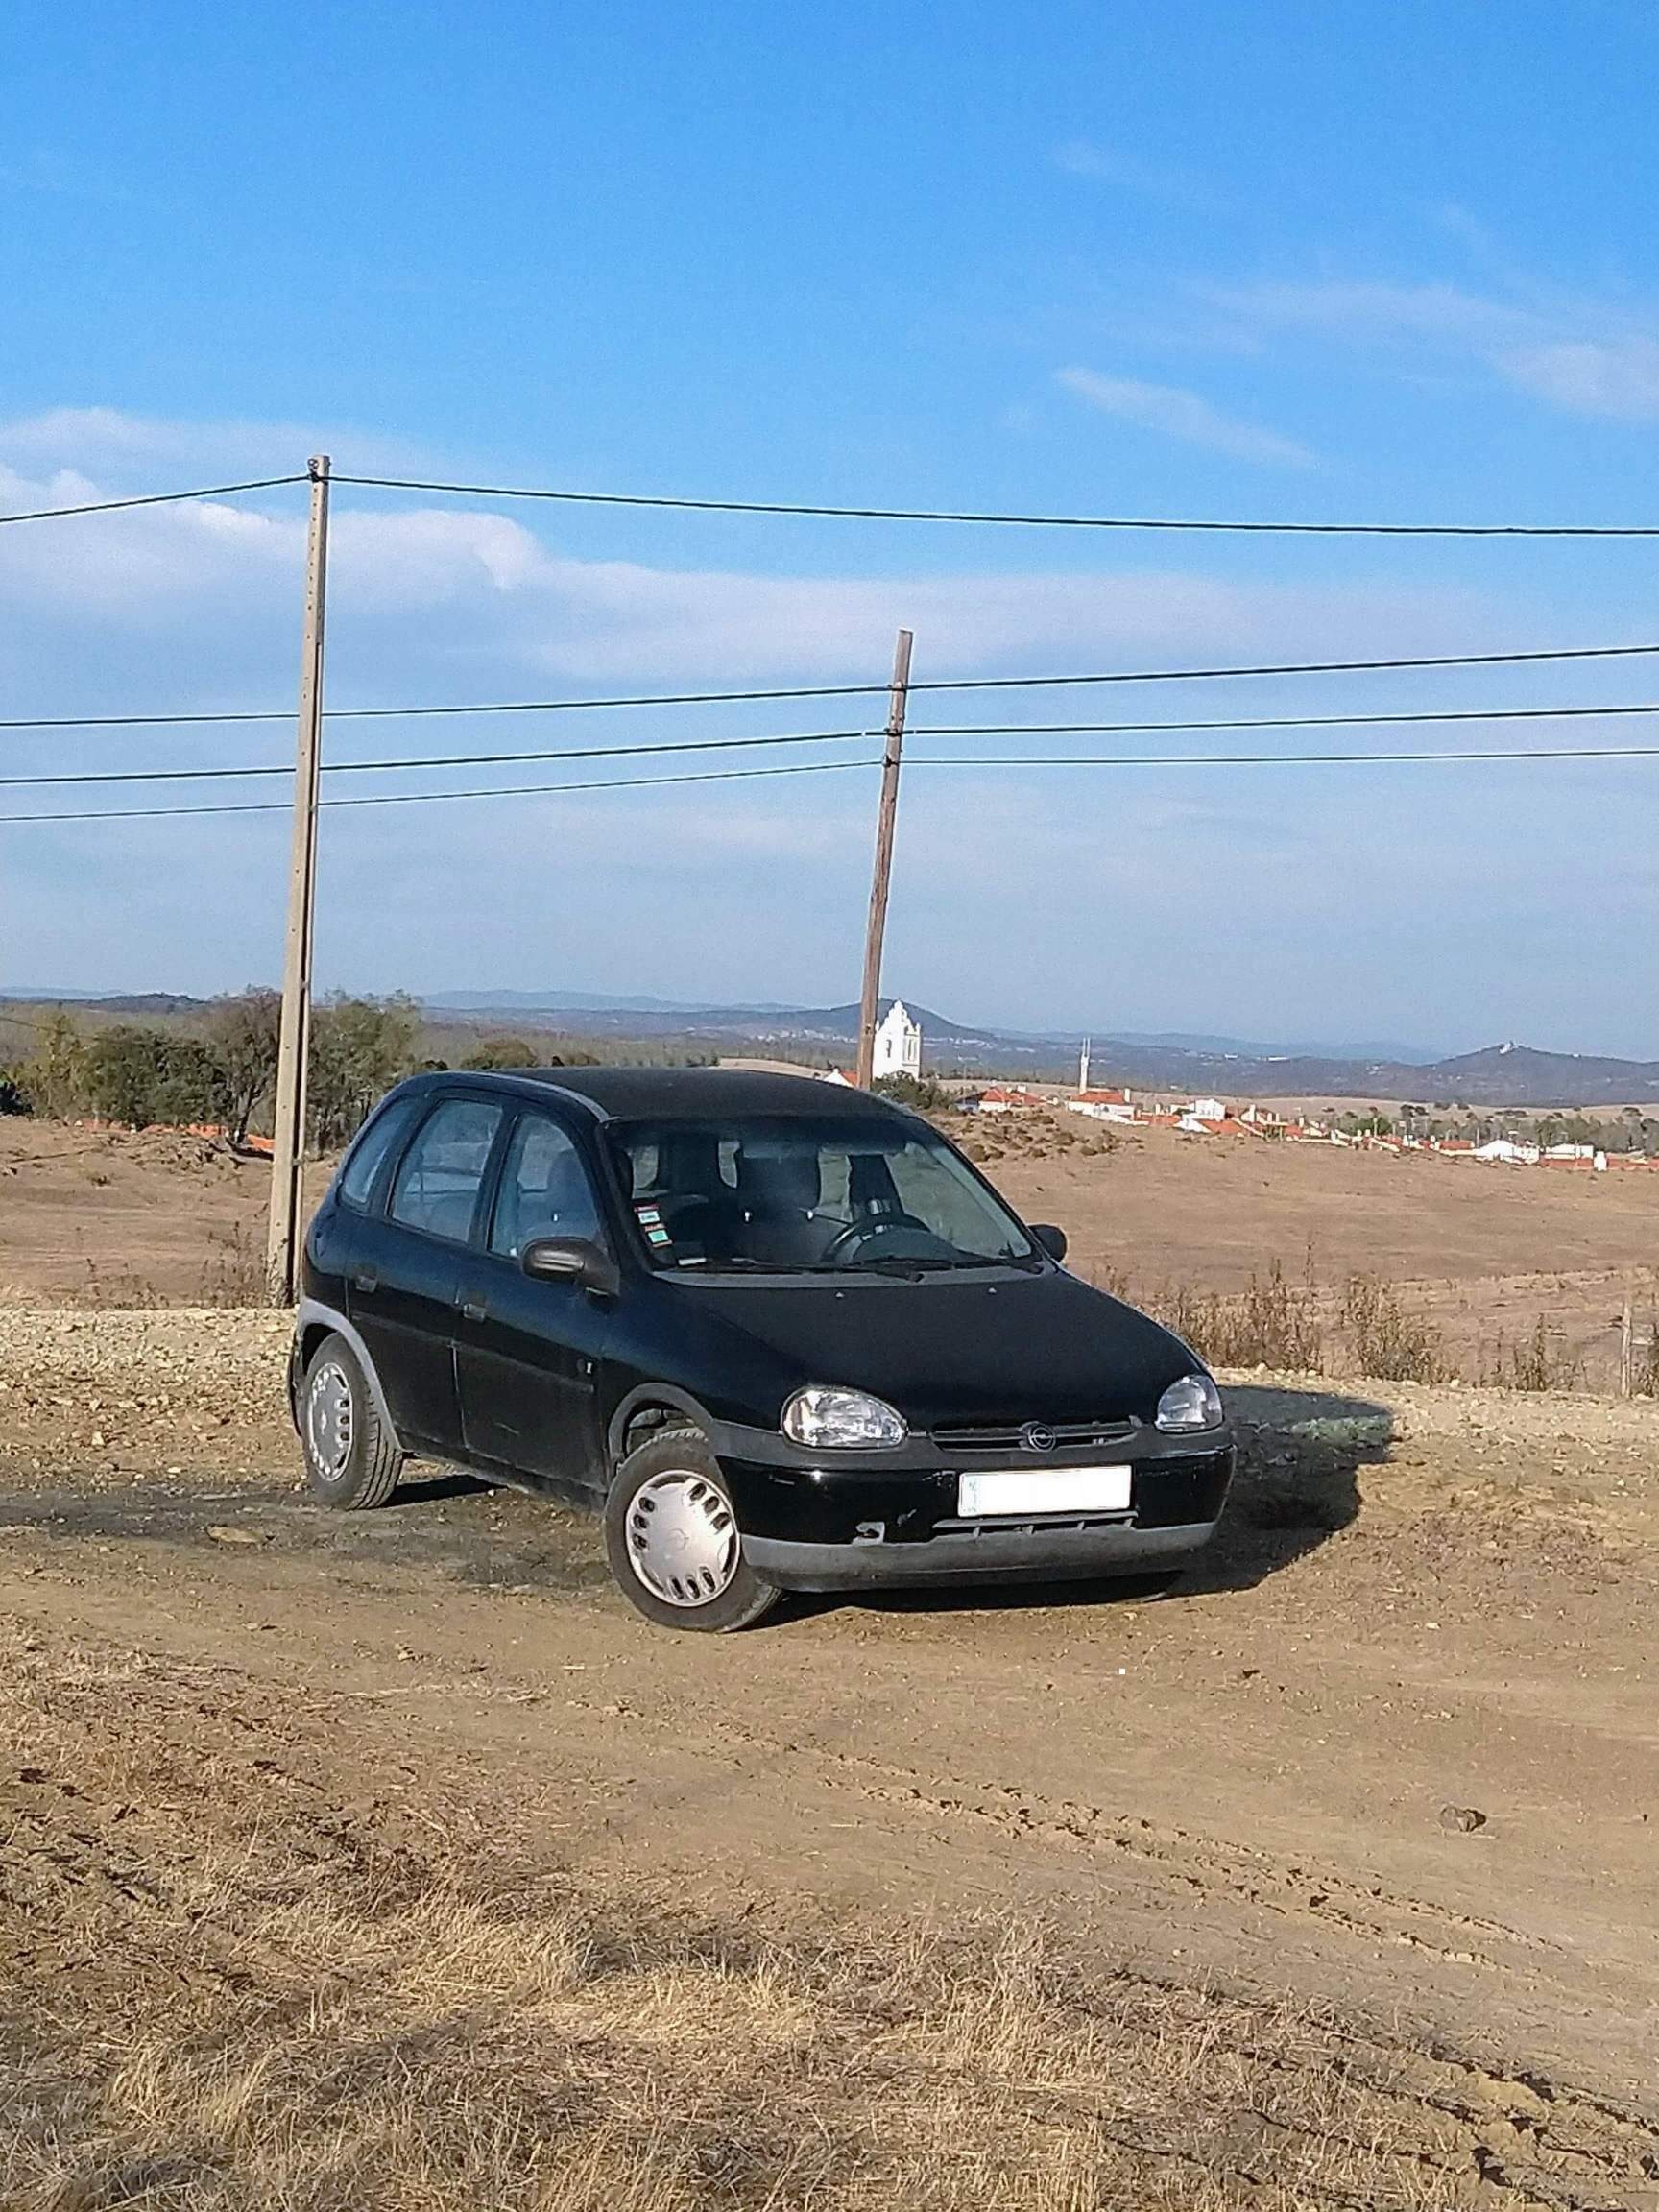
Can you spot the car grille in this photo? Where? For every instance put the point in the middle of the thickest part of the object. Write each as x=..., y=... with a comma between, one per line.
x=1005, y=1435
x=1031, y=1524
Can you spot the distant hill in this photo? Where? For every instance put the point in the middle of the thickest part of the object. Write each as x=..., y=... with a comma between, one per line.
x=827, y=1027
x=1499, y=1075
x=1242, y=1049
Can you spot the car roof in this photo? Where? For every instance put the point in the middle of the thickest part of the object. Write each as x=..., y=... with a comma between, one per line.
x=694, y=1093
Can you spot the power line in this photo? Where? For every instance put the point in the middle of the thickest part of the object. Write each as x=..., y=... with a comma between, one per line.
x=153, y=499
x=843, y=736
x=1280, y=760
x=1265, y=722
x=844, y=690
x=822, y=511
x=427, y=798
x=831, y=767
x=440, y=760
x=1035, y=521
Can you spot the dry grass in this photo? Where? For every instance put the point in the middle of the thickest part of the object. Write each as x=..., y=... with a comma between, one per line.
x=224, y=1997
x=1385, y=1339
x=1301, y=1326
x=521, y=2050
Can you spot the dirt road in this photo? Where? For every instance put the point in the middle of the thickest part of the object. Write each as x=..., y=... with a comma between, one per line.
x=1392, y=1753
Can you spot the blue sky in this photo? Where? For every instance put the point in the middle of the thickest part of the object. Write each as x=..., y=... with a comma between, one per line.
x=1269, y=261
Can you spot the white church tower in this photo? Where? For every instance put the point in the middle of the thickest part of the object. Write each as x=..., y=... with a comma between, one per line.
x=898, y=1043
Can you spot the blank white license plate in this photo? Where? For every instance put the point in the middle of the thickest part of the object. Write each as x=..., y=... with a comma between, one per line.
x=1027, y=1490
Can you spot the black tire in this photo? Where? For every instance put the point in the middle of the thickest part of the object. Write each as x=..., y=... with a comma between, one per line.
x=677, y=1464
x=365, y=1473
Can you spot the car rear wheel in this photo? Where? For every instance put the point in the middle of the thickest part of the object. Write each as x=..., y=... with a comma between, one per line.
x=351, y=1462
x=673, y=1540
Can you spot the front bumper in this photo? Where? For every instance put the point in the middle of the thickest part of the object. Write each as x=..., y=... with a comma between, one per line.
x=1041, y=1551
x=889, y=1520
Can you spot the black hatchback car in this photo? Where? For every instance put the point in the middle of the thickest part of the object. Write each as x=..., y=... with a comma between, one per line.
x=779, y=1332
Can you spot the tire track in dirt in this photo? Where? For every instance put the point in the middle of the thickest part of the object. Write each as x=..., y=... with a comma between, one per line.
x=1366, y=1912
x=1475, y=2135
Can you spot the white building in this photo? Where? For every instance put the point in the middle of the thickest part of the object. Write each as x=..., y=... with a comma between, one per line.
x=1508, y=1151
x=899, y=1042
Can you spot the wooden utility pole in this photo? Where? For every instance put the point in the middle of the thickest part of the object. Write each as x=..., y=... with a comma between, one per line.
x=1627, y=1347
x=294, y=1051
x=884, y=871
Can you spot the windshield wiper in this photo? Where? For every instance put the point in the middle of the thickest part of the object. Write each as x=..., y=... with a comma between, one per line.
x=895, y=1265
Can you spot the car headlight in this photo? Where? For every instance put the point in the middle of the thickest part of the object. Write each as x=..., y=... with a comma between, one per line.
x=829, y=1420
x=1192, y=1402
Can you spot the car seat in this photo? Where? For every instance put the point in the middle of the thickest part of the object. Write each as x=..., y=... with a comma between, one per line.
x=778, y=1191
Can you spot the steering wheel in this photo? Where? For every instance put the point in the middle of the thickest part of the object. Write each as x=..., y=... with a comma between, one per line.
x=850, y=1241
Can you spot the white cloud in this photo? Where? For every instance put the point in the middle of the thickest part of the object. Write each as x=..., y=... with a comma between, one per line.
x=1048, y=892
x=198, y=604
x=1183, y=415
x=1619, y=380
x=1109, y=165
x=1362, y=311
x=1580, y=355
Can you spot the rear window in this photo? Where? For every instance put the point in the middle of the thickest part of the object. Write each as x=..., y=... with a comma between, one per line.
x=374, y=1147
x=442, y=1173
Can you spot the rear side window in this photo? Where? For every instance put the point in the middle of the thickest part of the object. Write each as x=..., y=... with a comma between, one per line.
x=544, y=1190
x=373, y=1149
x=438, y=1183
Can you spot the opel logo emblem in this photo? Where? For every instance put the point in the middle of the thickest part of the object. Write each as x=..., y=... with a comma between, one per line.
x=1035, y=1437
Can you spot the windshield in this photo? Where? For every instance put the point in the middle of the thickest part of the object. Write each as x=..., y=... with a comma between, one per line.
x=786, y=1194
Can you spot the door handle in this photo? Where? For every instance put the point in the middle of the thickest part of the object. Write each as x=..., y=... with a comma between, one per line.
x=472, y=1310
x=366, y=1280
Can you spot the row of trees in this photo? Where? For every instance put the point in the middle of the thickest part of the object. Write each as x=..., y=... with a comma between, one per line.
x=220, y=1072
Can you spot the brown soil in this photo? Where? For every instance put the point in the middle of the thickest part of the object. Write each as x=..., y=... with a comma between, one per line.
x=389, y=1859
x=1486, y=1251
x=105, y=1218
x=116, y=1217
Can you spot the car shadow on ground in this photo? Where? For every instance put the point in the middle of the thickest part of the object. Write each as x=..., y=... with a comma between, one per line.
x=435, y=1483
x=1300, y=1452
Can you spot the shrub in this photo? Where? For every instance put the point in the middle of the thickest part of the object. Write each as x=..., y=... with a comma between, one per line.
x=242, y=1034
x=359, y=1048
x=55, y=1074
x=1274, y=1323
x=1535, y=1365
x=503, y=1053
x=1646, y=1382
x=920, y=1092
x=1386, y=1340
x=144, y=1076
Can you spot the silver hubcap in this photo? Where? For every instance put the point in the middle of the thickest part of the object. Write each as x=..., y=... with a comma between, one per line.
x=682, y=1539
x=328, y=1420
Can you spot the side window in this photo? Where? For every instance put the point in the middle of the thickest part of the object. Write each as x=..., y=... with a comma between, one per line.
x=373, y=1149
x=437, y=1186
x=544, y=1192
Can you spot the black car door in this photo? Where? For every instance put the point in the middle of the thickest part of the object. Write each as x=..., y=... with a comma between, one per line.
x=404, y=1286
x=527, y=1350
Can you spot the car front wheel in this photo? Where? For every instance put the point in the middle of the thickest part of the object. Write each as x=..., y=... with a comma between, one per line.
x=673, y=1540
x=352, y=1462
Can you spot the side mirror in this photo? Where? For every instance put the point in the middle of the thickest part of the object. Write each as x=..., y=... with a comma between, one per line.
x=1049, y=1240
x=572, y=1259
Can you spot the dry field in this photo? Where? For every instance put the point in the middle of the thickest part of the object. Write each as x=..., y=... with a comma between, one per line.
x=388, y=1861
x=389, y=1864
x=1483, y=1253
